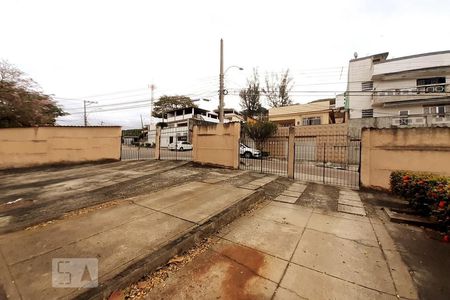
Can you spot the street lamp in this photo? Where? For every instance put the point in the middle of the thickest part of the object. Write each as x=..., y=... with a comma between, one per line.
x=239, y=68
x=200, y=99
x=222, y=91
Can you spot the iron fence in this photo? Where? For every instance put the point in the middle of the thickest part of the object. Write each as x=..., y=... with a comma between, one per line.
x=175, y=144
x=267, y=157
x=139, y=151
x=336, y=162
x=326, y=159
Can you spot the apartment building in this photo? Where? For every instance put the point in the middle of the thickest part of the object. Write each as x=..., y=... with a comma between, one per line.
x=179, y=124
x=231, y=115
x=405, y=91
x=317, y=112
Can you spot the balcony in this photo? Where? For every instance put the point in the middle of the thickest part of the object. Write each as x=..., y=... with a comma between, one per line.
x=422, y=120
x=424, y=92
x=414, y=66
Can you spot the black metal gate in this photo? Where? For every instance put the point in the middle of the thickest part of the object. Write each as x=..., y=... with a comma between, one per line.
x=336, y=162
x=267, y=157
x=175, y=143
x=330, y=160
x=137, y=148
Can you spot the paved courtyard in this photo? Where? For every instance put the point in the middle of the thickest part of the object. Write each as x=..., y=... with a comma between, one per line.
x=287, y=251
x=125, y=228
x=301, y=241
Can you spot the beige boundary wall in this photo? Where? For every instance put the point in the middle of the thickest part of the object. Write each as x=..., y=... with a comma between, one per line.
x=331, y=134
x=411, y=149
x=216, y=144
x=25, y=147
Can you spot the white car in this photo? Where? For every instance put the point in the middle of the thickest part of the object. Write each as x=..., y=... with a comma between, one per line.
x=180, y=146
x=248, y=152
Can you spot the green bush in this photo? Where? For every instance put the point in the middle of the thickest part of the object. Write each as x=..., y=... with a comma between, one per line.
x=427, y=193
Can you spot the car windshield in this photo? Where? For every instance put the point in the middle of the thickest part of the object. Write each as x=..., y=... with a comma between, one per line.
x=244, y=145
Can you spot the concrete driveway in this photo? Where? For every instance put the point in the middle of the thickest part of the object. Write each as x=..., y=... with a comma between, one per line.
x=129, y=218
x=304, y=250
x=33, y=196
x=134, y=216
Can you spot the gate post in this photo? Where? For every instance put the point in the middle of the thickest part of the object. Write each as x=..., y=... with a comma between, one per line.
x=158, y=143
x=291, y=152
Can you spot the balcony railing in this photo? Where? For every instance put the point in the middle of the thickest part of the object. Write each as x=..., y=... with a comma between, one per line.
x=422, y=120
x=417, y=93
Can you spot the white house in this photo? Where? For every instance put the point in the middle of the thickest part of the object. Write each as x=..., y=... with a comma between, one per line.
x=179, y=124
x=405, y=91
x=231, y=115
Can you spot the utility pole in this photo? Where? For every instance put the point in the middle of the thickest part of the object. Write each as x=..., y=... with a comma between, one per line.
x=221, y=87
x=85, y=114
x=85, y=104
x=152, y=89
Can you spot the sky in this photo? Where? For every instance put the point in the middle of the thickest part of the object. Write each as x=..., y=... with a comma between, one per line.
x=109, y=52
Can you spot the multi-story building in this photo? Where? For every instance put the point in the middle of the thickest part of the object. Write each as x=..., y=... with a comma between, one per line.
x=179, y=124
x=231, y=115
x=317, y=112
x=405, y=91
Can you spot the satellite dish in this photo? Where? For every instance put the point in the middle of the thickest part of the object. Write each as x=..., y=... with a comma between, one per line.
x=355, y=55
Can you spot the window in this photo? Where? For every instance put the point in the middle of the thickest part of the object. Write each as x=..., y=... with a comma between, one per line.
x=311, y=121
x=431, y=85
x=439, y=110
x=367, y=113
x=367, y=86
x=404, y=121
x=404, y=117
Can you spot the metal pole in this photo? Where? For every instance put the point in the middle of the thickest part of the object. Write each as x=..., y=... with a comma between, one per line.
x=152, y=88
x=323, y=167
x=221, y=84
x=359, y=164
x=85, y=115
x=139, y=148
x=260, y=158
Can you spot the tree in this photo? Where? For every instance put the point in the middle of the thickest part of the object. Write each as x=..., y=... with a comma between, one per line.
x=260, y=131
x=22, y=104
x=277, y=89
x=250, y=97
x=169, y=103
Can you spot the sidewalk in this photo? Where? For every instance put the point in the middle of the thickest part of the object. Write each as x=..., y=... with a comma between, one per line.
x=128, y=239
x=288, y=251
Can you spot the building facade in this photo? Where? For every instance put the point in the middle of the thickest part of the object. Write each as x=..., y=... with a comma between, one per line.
x=317, y=112
x=231, y=115
x=410, y=91
x=179, y=124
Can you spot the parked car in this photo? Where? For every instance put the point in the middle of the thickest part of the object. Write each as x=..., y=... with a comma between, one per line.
x=180, y=146
x=148, y=145
x=248, y=152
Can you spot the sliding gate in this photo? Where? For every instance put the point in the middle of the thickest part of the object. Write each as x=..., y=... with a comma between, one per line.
x=330, y=161
x=335, y=163
x=138, y=148
x=268, y=157
x=175, y=143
